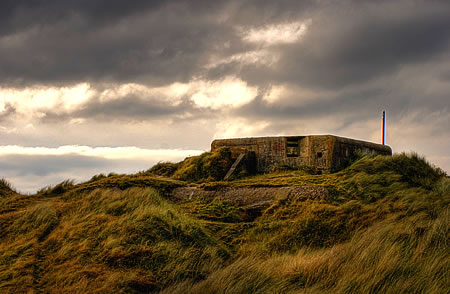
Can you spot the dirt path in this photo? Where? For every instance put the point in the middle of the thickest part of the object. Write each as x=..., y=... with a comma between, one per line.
x=249, y=196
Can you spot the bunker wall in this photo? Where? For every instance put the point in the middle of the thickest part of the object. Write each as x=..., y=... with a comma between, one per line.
x=346, y=150
x=293, y=151
x=325, y=153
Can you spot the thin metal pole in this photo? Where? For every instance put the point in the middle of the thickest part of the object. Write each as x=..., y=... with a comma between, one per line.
x=384, y=126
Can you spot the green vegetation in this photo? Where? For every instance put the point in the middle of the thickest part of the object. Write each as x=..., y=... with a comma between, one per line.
x=209, y=166
x=165, y=169
x=383, y=227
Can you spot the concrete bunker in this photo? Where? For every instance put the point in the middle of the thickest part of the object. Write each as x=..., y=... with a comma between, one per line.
x=325, y=153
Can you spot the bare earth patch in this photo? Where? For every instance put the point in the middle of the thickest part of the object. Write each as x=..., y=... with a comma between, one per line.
x=250, y=196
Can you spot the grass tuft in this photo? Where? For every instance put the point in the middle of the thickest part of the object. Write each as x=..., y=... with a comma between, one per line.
x=6, y=188
x=56, y=190
x=164, y=169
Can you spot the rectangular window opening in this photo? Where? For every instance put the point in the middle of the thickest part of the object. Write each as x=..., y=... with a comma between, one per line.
x=292, y=146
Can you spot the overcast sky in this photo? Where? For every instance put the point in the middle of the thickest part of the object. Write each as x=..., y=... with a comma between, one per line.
x=92, y=86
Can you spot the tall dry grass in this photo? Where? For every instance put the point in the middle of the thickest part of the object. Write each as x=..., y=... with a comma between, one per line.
x=410, y=256
x=383, y=228
x=105, y=241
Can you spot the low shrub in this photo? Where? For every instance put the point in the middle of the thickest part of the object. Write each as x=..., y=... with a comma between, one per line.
x=209, y=166
x=415, y=169
x=165, y=169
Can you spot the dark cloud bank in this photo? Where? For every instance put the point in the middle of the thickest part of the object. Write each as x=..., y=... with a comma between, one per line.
x=348, y=44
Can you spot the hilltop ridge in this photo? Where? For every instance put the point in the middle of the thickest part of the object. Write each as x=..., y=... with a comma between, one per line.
x=380, y=225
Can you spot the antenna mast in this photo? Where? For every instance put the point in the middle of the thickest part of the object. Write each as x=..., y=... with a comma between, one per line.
x=384, y=127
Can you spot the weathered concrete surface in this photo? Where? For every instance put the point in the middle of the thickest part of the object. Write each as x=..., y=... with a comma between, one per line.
x=325, y=153
x=251, y=196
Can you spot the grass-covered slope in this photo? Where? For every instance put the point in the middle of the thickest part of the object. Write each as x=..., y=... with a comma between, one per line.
x=6, y=189
x=383, y=228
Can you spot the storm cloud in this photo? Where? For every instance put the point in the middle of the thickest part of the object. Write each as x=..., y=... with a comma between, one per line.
x=73, y=41
x=176, y=74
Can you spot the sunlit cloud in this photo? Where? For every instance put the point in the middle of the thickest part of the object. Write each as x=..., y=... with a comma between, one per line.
x=260, y=57
x=276, y=33
x=35, y=102
x=295, y=95
x=37, y=98
x=32, y=102
x=171, y=93
x=224, y=93
x=275, y=94
x=234, y=127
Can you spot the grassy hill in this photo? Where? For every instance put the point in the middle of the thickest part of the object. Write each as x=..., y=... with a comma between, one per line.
x=382, y=227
